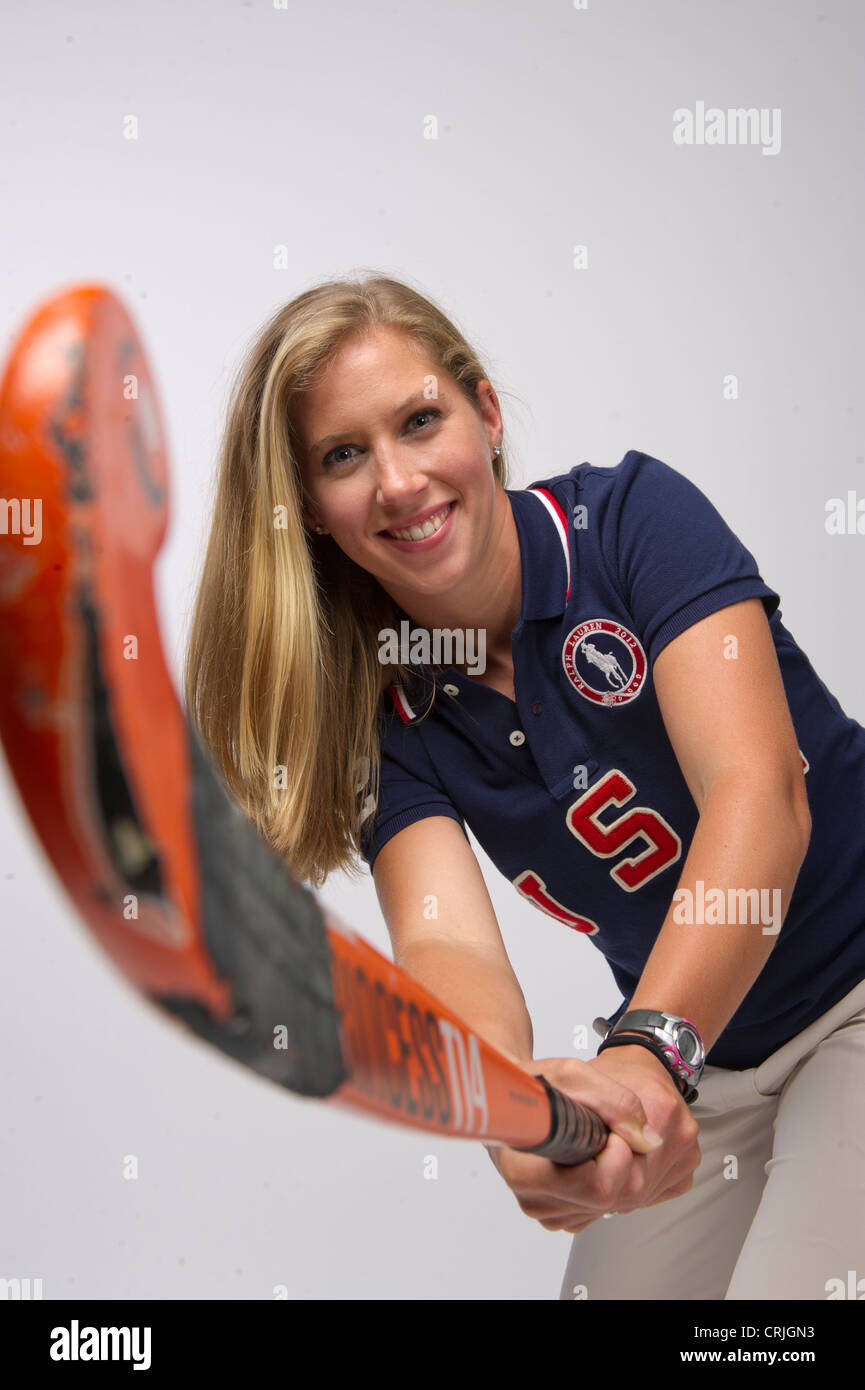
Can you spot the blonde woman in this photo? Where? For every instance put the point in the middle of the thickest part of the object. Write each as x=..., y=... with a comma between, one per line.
x=617, y=712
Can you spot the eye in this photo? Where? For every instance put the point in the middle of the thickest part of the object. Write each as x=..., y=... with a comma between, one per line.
x=419, y=415
x=332, y=460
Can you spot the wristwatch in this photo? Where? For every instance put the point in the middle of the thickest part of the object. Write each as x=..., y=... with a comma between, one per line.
x=676, y=1040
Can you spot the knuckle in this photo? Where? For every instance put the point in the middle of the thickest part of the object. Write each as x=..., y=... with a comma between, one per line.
x=690, y=1128
x=570, y=1071
x=604, y=1189
x=670, y=1106
x=632, y=1192
x=609, y=1186
x=683, y=1185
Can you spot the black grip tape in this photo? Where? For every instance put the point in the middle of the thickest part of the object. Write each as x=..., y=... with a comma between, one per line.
x=576, y=1133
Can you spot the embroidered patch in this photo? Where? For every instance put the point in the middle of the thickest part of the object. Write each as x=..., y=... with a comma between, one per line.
x=604, y=662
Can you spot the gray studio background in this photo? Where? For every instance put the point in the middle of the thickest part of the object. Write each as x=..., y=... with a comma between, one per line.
x=303, y=127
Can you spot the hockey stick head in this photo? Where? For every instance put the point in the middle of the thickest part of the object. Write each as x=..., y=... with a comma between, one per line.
x=171, y=878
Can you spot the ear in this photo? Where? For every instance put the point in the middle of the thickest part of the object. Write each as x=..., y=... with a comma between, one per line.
x=309, y=519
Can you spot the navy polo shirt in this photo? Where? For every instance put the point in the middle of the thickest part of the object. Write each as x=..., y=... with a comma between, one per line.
x=574, y=790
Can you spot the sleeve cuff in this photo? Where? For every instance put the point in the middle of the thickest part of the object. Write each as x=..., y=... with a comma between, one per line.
x=707, y=604
x=404, y=818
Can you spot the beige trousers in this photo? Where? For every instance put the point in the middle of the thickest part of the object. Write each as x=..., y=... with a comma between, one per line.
x=777, y=1206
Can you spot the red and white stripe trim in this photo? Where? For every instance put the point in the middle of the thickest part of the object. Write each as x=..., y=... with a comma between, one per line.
x=404, y=709
x=561, y=525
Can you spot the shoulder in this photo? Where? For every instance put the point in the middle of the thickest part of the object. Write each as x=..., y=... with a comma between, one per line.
x=611, y=478
x=636, y=497
x=615, y=505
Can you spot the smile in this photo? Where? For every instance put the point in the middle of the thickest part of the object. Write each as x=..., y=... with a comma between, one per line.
x=416, y=536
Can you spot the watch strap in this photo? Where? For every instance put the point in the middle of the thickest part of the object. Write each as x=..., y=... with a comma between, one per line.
x=688, y=1092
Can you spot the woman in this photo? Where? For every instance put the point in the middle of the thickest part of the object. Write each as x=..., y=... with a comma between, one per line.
x=629, y=730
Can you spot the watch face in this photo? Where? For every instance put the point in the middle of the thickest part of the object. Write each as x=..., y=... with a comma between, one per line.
x=687, y=1044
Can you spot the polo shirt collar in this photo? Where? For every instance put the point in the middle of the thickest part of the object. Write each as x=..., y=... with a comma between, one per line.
x=542, y=532
x=545, y=561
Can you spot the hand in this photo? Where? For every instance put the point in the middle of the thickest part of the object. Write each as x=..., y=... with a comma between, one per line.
x=626, y=1086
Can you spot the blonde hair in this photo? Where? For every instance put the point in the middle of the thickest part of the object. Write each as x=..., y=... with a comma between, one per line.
x=282, y=668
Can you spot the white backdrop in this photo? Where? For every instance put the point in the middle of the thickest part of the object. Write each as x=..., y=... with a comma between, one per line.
x=305, y=127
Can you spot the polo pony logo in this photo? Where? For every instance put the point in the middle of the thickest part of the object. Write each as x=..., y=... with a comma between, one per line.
x=604, y=662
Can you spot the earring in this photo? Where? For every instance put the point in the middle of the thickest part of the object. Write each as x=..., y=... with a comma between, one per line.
x=496, y=450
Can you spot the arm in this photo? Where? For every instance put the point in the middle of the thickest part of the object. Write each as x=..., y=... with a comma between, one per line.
x=729, y=724
x=479, y=988
x=459, y=954
x=745, y=836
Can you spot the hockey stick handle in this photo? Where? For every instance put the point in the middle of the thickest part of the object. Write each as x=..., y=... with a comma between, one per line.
x=576, y=1132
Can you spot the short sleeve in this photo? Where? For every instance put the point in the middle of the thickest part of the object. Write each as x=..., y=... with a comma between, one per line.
x=408, y=790
x=676, y=558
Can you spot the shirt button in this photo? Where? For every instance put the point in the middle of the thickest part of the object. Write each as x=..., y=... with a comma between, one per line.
x=451, y=689
x=517, y=737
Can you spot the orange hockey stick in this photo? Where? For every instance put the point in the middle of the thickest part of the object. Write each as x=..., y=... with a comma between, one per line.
x=167, y=872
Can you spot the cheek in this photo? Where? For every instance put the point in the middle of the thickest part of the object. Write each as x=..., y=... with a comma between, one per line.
x=346, y=519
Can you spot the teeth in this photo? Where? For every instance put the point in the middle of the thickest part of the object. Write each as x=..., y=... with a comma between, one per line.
x=429, y=527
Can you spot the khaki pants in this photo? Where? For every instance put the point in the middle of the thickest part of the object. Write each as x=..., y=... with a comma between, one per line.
x=777, y=1206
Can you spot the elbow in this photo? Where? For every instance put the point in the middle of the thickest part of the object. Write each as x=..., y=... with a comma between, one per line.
x=798, y=812
x=798, y=800
x=803, y=820
x=784, y=808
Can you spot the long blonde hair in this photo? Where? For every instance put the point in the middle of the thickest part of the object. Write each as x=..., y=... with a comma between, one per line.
x=282, y=677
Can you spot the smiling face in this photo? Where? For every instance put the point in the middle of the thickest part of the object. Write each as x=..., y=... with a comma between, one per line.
x=380, y=452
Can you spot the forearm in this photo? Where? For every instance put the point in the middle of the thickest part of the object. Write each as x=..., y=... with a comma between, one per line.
x=703, y=970
x=484, y=993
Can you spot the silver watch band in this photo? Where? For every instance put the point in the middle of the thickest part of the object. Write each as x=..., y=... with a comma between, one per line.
x=677, y=1040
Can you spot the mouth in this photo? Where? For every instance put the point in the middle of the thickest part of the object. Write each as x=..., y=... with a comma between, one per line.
x=422, y=537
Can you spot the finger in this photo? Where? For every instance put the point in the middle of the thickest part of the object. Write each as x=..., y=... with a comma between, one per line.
x=572, y=1227
x=493, y=1151
x=593, y=1186
x=618, y=1106
x=620, y=1176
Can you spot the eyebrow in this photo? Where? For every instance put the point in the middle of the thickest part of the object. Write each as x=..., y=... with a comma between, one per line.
x=417, y=398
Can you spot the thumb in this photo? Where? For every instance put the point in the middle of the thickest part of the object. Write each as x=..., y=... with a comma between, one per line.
x=643, y=1140
x=619, y=1107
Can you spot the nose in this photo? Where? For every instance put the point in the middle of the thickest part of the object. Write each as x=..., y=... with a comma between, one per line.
x=397, y=481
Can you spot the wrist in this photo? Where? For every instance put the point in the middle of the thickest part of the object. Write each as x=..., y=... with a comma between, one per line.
x=645, y=1057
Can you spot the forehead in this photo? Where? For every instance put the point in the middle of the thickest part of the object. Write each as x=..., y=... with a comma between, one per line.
x=371, y=373
x=380, y=358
